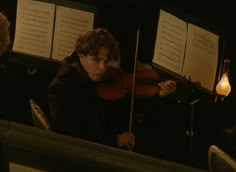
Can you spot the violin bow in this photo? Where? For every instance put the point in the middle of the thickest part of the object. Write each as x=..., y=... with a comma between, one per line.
x=133, y=83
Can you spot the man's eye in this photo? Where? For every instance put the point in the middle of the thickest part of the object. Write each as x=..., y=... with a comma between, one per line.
x=97, y=60
x=106, y=61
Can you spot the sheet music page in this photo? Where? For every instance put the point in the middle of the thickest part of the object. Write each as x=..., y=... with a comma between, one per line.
x=34, y=26
x=69, y=24
x=201, y=56
x=170, y=42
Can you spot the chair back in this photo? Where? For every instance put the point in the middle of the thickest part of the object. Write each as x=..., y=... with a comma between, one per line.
x=39, y=118
x=220, y=161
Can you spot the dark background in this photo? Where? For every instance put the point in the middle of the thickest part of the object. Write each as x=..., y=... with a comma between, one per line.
x=164, y=137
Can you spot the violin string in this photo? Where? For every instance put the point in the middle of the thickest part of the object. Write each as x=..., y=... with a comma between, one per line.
x=133, y=84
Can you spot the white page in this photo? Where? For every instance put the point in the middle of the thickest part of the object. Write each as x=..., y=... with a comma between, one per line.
x=34, y=25
x=170, y=42
x=69, y=24
x=201, y=56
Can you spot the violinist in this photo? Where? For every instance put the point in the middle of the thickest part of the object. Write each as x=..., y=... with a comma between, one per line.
x=78, y=101
x=75, y=107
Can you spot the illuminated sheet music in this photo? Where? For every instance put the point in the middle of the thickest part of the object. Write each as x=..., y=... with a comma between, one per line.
x=48, y=30
x=201, y=56
x=187, y=50
x=34, y=27
x=170, y=42
x=68, y=25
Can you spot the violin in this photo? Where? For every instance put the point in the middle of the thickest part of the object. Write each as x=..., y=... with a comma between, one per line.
x=117, y=83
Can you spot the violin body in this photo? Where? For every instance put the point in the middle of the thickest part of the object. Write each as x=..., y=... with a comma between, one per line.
x=116, y=84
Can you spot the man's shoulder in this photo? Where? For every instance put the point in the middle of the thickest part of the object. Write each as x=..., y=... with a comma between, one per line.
x=69, y=65
x=70, y=72
x=65, y=73
x=72, y=59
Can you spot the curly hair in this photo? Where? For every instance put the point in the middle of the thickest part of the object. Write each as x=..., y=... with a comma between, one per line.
x=4, y=33
x=90, y=42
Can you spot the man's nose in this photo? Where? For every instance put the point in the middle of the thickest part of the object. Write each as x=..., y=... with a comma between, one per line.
x=103, y=66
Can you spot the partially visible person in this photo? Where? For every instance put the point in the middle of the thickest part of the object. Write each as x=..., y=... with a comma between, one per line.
x=4, y=99
x=6, y=81
x=11, y=98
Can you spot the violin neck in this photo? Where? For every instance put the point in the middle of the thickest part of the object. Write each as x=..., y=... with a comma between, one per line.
x=148, y=81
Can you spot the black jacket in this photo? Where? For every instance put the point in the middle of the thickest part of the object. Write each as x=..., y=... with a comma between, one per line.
x=78, y=111
x=12, y=100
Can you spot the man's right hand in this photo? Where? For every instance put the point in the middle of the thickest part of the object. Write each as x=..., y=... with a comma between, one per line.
x=126, y=140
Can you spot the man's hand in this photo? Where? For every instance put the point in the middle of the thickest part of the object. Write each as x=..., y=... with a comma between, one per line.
x=167, y=87
x=126, y=140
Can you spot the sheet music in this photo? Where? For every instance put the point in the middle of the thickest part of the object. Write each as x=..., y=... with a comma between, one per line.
x=68, y=25
x=34, y=25
x=201, y=56
x=187, y=50
x=170, y=42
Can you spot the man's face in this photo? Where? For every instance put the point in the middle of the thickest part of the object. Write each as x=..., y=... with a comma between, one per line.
x=97, y=65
